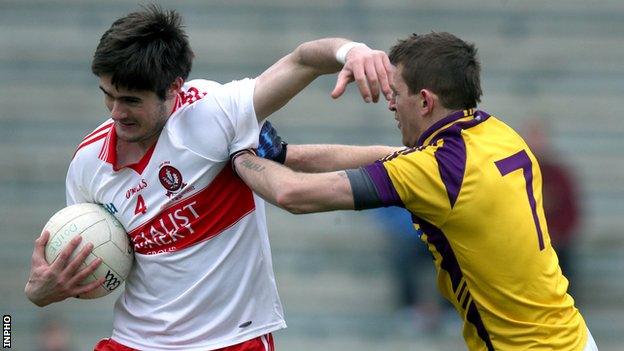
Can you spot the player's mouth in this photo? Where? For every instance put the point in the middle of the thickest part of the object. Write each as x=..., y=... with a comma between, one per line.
x=126, y=125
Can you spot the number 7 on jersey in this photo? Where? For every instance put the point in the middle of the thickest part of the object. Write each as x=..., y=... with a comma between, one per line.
x=521, y=160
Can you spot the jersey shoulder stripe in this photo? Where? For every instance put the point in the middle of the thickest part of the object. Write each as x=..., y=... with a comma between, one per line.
x=396, y=154
x=102, y=128
x=426, y=137
x=192, y=92
x=451, y=156
x=104, y=150
x=98, y=134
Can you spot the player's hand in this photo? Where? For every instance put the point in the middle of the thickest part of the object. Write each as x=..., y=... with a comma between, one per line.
x=370, y=69
x=270, y=145
x=55, y=282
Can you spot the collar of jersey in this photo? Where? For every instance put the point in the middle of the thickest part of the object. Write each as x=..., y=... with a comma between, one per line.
x=110, y=149
x=457, y=116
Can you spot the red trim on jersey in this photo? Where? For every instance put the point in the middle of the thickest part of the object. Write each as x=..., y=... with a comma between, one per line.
x=106, y=126
x=93, y=137
x=188, y=96
x=83, y=144
x=102, y=155
x=109, y=154
x=176, y=105
x=139, y=167
x=200, y=217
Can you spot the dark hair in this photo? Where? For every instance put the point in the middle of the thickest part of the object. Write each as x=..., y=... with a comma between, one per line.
x=442, y=63
x=144, y=50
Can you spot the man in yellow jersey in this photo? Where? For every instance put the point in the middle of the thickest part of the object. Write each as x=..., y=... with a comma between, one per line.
x=473, y=188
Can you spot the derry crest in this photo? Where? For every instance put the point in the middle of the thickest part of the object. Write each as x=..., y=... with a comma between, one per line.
x=170, y=178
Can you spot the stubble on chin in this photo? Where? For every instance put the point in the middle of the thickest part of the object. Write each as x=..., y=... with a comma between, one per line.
x=158, y=124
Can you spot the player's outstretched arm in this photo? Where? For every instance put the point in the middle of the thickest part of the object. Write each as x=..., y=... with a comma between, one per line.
x=292, y=191
x=320, y=157
x=370, y=69
x=49, y=283
x=331, y=157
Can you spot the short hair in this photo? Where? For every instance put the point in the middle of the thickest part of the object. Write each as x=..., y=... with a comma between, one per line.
x=442, y=63
x=144, y=50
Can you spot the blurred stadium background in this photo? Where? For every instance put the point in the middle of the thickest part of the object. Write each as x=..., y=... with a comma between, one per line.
x=562, y=61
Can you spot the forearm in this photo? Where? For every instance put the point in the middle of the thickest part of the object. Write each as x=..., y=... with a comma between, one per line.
x=327, y=158
x=370, y=69
x=263, y=176
x=320, y=55
x=292, y=191
x=293, y=72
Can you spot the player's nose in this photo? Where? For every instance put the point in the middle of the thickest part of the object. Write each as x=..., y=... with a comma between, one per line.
x=118, y=112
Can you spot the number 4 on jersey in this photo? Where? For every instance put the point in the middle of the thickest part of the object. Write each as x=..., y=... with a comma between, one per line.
x=140, y=206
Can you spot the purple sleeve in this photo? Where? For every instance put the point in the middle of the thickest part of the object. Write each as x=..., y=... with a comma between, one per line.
x=385, y=189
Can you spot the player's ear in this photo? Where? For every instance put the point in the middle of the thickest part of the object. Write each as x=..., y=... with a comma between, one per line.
x=426, y=101
x=175, y=87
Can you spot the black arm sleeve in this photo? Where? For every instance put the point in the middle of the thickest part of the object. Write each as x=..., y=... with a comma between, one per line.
x=365, y=194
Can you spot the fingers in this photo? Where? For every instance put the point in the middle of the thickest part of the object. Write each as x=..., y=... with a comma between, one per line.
x=379, y=73
x=85, y=272
x=75, y=263
x=388, y=67
x=384, y=72
x=372, y=72
x=61, y=260
x=344, y=78
x=62, y=278
x=361, y=81
x=79, y=275
x=38, y=256
x=372, y=79
x=83, y=289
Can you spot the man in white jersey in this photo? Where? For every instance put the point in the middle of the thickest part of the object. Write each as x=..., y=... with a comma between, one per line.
x=202, y=277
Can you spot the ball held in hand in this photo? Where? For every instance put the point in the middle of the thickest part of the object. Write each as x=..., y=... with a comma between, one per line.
x=109, y=239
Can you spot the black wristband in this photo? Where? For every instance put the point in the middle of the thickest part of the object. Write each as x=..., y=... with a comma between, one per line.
x=281, y=158
x=239, y=153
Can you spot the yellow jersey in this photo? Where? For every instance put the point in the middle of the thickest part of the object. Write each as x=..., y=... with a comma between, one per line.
x=474, y=189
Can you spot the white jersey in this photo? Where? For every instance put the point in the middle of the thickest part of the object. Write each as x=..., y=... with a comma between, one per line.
x=202, y=277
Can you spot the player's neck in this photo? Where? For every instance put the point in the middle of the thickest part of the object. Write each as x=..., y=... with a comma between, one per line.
x=442, y=113
x=436, y=115
x=129, y=153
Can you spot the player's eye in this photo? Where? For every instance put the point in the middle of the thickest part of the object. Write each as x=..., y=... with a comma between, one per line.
x=132, y=101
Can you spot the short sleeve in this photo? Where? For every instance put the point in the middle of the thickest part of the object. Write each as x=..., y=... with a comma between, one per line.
x=415, y=177
x=75, y=191
x=223, y=121
x=243, y=115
